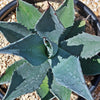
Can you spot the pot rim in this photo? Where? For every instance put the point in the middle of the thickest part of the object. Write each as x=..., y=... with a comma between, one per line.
x=88, y=11
x=7, y=9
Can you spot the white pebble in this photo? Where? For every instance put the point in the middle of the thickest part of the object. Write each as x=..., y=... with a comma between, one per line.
x=97, y=1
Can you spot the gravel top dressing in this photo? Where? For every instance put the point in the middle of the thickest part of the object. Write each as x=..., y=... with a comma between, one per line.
x=6, y=59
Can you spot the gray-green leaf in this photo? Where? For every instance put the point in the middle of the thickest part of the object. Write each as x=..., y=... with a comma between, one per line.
x=6, y=77
x=60, y=91
x=68, y=73
x=31, y=48
x=13, y=31
x=91, y=66
x=26, y=78
x=49, y=26
x=83, y=45
x=66, y=13
x=27, y=14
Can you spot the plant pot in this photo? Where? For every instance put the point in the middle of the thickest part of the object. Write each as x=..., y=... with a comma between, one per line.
x=85, y=11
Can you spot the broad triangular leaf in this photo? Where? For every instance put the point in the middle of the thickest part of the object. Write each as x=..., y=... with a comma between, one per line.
x=91, y=66
x=31, y=48
x=26, y=78
x=49, y=25
x=6, y=77
x=68, y=73
x=27, y=14
x=66, y=13
x=13, y=31
x=83, y=45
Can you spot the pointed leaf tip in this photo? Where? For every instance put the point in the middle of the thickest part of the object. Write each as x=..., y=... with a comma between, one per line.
x=88, y=45
x=27, y=14
x=49, y=26
x=68, y=73
x=24, y=81
x=31, y=48
x=13, y=31
x=66, y=13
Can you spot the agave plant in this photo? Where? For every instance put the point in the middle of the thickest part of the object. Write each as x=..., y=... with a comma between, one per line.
x=55, y=52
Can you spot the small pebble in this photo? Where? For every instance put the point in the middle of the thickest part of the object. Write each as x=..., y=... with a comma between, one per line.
x=94, y=5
